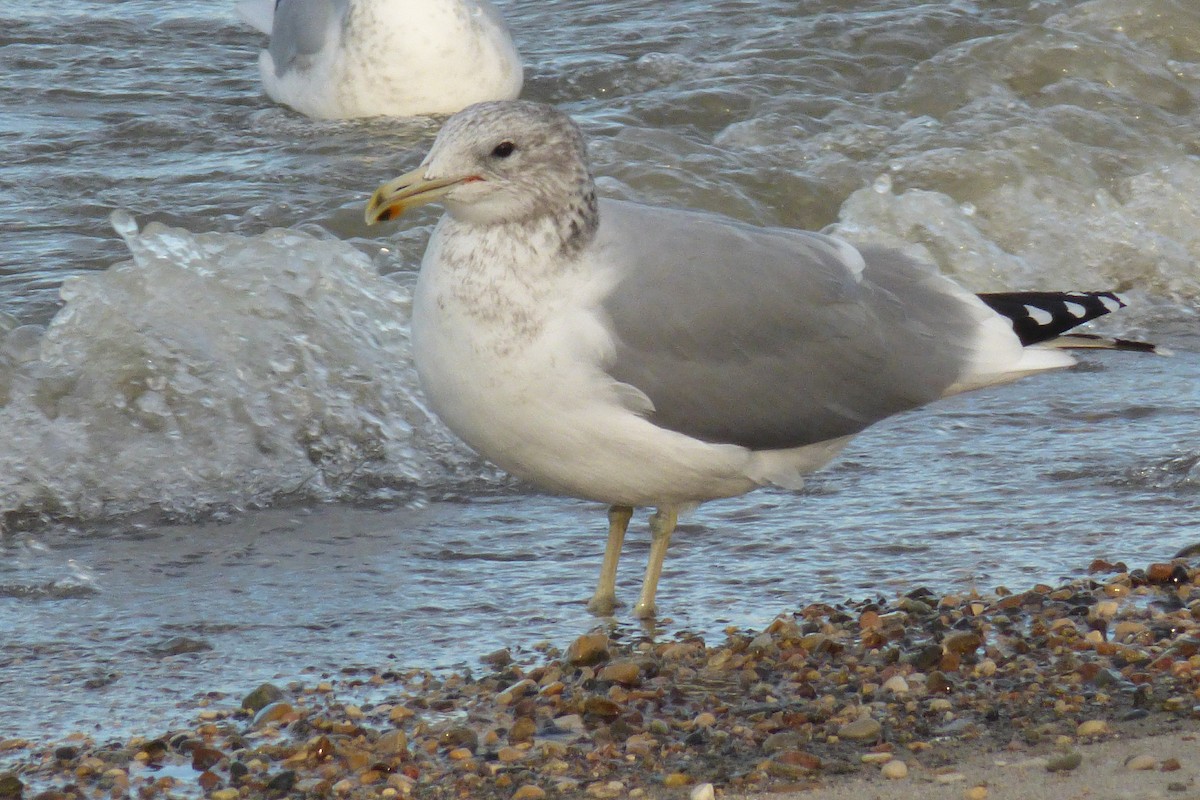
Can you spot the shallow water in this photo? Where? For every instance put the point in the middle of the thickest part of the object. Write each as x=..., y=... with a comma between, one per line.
x=212, y=429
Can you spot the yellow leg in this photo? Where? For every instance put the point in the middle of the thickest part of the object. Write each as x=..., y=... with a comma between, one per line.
x=662, y=525
x=605, y=599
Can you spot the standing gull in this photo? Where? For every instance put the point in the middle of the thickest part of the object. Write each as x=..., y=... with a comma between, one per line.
x=646, y=356
x=336, y=59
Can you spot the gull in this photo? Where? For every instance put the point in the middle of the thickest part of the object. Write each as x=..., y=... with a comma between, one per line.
x=638, y=355
x=338, y=59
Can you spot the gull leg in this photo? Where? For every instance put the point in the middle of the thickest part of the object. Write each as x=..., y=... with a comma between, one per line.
x=605, y=599
x=662, y=525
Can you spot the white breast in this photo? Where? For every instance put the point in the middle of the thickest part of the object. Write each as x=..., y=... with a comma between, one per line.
x=518, y=377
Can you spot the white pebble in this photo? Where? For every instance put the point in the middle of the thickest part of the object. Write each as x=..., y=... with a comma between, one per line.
x=1141, y=762
x=703, y=792
x=895, y=769
x=949, y=777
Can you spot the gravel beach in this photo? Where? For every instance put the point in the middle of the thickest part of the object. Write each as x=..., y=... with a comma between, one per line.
x=1088, y=689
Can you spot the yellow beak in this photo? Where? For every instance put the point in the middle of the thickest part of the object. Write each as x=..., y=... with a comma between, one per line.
x=407, y=191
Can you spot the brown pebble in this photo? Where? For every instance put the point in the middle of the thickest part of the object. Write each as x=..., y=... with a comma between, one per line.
x=205, y=758
x=1170, y=765
x=391, y=743
x=962, y=642
x=675, y=780
x=799, y=758
x=623, y=672
x=208, y=780
x=529, y=792
x=510, y=754
x=589, y=649
x=1159, y=573
x=938, y=683
x=784, y=740
x=522, y=730
x=499, y=658
x=601, y=707
x=460, y=736
x=322, y=747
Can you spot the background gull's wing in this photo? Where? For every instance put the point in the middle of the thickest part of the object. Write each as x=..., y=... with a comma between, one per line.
x=302, y=28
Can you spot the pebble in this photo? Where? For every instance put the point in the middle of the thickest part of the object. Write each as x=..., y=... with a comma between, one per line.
x=963, y=642
x=262, y=697
x=861, y=729
x=1064, y=762
x=529, y=792
x=823, y=690
x=589, y=649
x=623, y=672
x=949, y=777
x=523, y=730
x=894, y=770
x=274, y=712
x=784, y=740
x=1141, y=762
x=510, y=754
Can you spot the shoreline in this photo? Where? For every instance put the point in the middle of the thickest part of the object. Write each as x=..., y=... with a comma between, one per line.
x=822, y=703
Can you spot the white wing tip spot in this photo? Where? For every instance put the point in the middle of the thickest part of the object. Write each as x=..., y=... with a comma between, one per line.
x=1039, y=315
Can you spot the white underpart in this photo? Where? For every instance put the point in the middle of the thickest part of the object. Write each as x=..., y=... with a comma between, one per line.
x=402, y=58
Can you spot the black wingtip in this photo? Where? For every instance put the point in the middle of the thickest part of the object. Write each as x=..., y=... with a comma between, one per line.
x=1042, y=316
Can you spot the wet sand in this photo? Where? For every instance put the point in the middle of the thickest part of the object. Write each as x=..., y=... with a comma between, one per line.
x=1088, y=689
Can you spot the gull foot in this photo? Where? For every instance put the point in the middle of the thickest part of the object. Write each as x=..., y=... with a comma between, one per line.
x=644, y=610
x=603, y=605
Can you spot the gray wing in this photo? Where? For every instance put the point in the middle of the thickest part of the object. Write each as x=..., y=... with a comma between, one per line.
x=769, y=338
x=301, y=29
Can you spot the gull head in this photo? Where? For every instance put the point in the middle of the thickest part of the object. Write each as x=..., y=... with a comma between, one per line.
x=496, y=163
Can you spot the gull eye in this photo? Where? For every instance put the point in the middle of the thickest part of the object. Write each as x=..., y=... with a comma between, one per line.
x=504, y=149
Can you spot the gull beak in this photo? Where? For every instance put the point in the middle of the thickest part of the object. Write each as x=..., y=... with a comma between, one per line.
x=410, y=190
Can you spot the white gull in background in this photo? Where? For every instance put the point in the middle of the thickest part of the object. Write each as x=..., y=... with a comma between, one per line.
x=647, y=356
x=336, y=59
